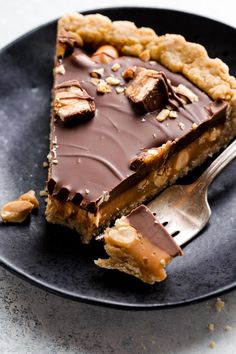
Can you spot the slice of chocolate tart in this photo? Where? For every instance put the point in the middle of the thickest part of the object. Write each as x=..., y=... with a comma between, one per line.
x=131, y=113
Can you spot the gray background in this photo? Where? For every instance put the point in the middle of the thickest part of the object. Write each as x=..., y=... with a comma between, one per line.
x=33, y=321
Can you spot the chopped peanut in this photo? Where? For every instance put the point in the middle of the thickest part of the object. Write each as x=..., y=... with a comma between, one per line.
x=105, y=54
x=17, y=210
x=30, y=197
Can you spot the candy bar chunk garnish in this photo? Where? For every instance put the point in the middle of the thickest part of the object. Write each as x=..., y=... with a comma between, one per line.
x=73, y=102
x=150, y=91
x=139, y=245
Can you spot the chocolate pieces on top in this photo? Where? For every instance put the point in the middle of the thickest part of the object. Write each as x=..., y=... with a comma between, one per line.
x=150, y=90
x=72, y=102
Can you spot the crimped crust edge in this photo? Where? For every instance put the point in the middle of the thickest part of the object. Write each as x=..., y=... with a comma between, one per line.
x=171, y=50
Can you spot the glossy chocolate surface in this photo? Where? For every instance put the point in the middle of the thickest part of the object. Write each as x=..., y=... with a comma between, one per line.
x=148, y=226
x=94, y=156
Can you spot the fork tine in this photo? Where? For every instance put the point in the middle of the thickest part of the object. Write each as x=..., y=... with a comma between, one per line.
x=172, y=228
x=184, y=236
x=161, y=218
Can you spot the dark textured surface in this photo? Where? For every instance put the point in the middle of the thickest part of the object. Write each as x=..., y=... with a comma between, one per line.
x=51, y=255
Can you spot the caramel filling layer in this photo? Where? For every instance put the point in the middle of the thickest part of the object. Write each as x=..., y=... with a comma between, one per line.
x=148, y=257
x=193, y=155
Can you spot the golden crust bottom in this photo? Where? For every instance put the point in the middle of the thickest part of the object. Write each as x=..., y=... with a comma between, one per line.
x=122, y=261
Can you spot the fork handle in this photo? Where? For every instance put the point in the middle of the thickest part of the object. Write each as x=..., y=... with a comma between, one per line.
x=216, y=166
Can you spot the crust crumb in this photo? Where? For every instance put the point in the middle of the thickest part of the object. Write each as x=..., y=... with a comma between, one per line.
x=211, y=327
x=212, y=344
x=43, y=193
x=115, y=67
x=45, y=164
x=60, y=70
x=103, y=87
x=163, y=115
x=220, y=304
x=227, y=328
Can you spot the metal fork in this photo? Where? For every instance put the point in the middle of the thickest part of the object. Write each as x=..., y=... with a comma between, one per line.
x=184, y=209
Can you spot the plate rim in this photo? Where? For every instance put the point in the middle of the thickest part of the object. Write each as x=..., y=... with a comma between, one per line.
x=92, y=299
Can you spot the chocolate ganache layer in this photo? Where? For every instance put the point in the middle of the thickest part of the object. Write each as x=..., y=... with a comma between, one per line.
x=93, y=157
x=147, y=225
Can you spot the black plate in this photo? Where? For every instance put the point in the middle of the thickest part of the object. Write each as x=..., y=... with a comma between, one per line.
x=52, y=256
